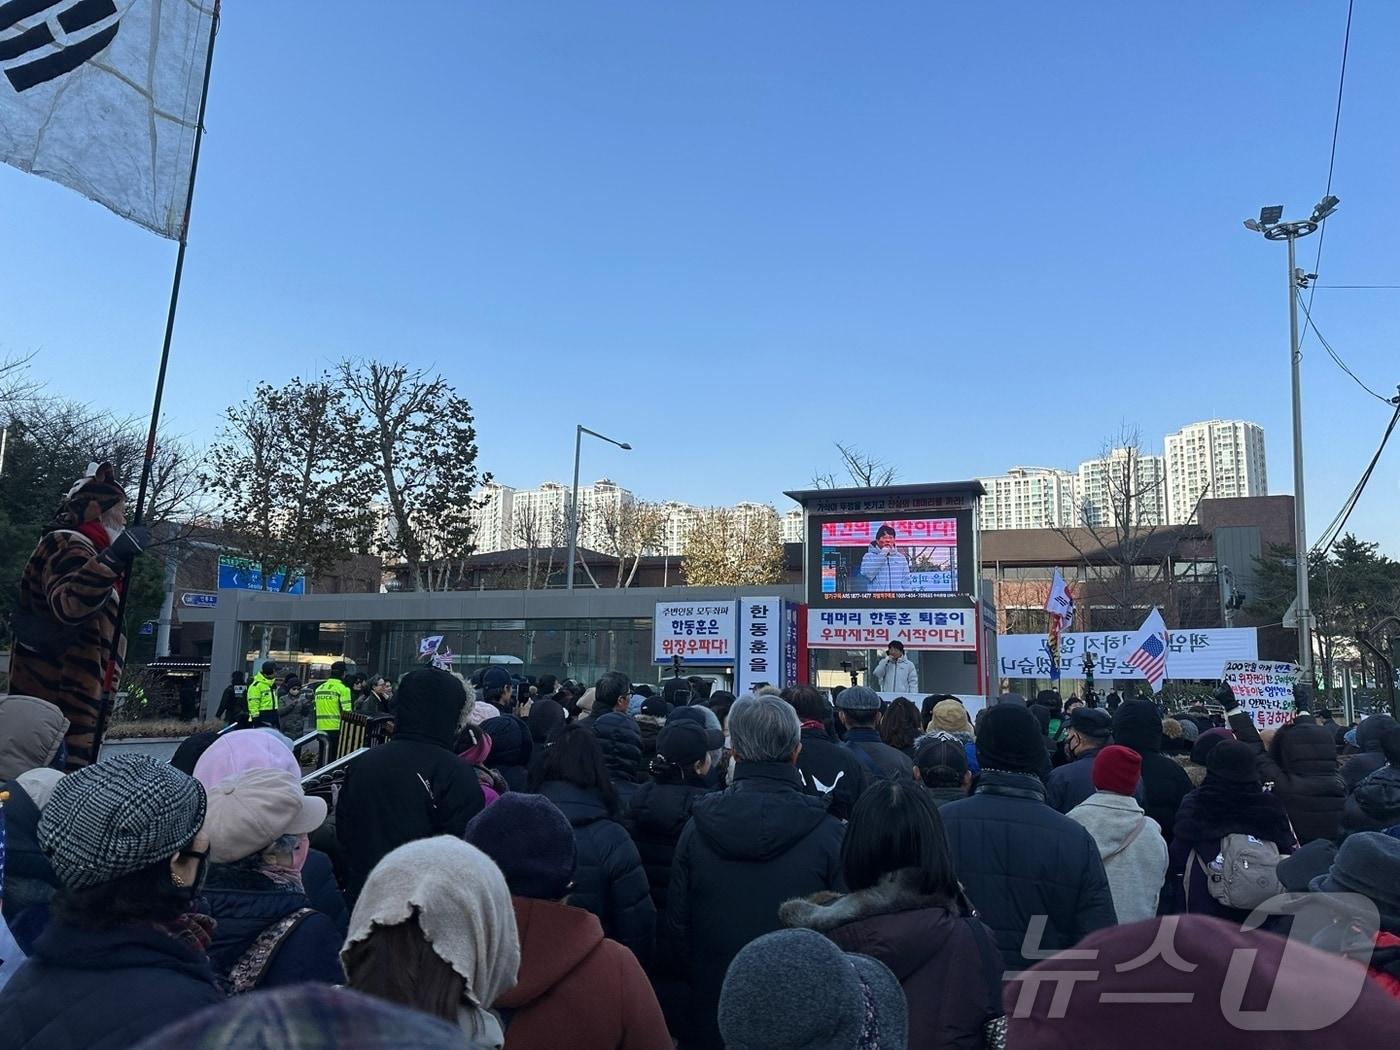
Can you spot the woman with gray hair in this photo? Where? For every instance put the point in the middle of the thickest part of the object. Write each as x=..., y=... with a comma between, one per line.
x=745, y=851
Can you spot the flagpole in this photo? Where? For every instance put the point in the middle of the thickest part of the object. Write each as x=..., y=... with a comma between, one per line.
x=148, y=465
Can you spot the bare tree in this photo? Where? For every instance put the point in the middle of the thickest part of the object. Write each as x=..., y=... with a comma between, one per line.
x=1125, y=546
x=419, y=435
x=287, y=481
x=863, y=470
x=724, y=549
x=629, y=530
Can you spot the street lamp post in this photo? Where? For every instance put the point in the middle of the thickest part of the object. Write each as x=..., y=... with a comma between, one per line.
x=1272, y=225
x=579, y=431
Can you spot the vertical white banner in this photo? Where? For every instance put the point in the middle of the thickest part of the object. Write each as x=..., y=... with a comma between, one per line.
x=759, y=659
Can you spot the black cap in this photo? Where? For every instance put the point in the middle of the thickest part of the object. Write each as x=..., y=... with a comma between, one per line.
x=1092, y=722
x=696, y=716
x=683, y=743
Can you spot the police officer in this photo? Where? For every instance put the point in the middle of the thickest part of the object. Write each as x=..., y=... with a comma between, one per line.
x=333, y=698
x=262, y=696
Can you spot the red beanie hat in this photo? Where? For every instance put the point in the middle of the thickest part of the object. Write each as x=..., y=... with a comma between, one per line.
x=1116, y=769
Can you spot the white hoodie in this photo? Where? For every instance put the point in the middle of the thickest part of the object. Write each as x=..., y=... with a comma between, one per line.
x=1136, y=871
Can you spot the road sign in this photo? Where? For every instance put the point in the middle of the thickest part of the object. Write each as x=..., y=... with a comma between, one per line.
x=199, y=600
x=244, y=575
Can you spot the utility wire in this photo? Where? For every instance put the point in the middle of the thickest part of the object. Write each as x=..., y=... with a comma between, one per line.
x=1307, y=313
x=1339, y=523
x=1331, y=287
x=1332, y=158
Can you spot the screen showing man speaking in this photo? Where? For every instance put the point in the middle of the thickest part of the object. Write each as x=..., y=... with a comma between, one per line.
x=908, y=558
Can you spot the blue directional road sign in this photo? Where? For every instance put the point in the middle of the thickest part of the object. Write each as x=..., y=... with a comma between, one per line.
x=244, y=575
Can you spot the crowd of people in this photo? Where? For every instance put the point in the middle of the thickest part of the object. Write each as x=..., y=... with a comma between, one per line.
x=529, y=865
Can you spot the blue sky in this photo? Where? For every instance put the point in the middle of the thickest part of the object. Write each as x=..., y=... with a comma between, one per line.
x=962, y=237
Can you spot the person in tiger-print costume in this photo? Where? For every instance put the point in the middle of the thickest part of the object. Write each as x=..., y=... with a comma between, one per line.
x=67, y=610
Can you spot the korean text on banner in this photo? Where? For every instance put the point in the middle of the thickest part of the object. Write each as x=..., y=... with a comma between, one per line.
x=697, y=632
x=1264, y=688
x=761, y=648
x=103, y=97
x=1190, y=654
x=946, y=629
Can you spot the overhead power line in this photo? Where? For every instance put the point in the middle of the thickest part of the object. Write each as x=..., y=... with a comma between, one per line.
x=1339, y=523
x=1307, y=313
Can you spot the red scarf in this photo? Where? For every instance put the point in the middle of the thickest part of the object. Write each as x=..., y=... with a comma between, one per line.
x=96, y=532
x=811, y=723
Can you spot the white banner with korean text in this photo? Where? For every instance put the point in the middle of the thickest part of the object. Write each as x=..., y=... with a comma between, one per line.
x=929, y=629
x=697, y=632
x=1200, y=653
x=760, y=658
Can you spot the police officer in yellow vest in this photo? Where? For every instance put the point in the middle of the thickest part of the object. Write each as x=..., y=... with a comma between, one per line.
x=332, y=698
x=262, y=696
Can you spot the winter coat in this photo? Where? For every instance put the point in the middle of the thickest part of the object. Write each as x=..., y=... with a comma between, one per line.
x=1018, y=859
x=29, y=878
x=323, y=892
x=943, y=795
x=1372, y=757
x=511, y=750
x=878, y=758
x=67, y=587
x=31, y=732
x=1302, y=764
x=621, y=741
x=102, y=989
x=244, y=903
x=411, y=788
x=575, y=987
x=1206, y=816
x=900, y=677
x=1070, y=784
x=650, y=728
x=233, y=705
x=610, y=880
x=296, y=712
x=832, y=770
x=1132, y=849
x=745, y=851
x=944, y=959
x=1373, y=805
x=655, y=819
x=1164, y=782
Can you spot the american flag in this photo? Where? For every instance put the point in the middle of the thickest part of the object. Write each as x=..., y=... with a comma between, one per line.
x=1150, y=656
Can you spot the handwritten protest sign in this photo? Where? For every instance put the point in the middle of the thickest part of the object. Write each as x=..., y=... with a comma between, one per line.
x=1264, y=688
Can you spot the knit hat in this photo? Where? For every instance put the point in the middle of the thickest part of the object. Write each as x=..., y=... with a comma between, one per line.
x=308, y=1017
x=510, y=740
x=1296, y=995
x=858, y=698
x=1117, y=769
x=1368, y=863
x=1009, y=739
x=951, y=717
x=1189, y=730
x=250, y=811
x=91, y=496
x=1137, y=724
x=683, y=743
x=119, y=816
x=766, y=1002
x=1207, y=742
x=1233, y=761
x=531, y=842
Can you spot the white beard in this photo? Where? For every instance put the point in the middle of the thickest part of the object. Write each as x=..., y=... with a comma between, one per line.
x=113, y=531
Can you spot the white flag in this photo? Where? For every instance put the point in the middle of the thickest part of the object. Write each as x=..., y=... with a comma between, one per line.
x=103, y=97
x=1061, y=602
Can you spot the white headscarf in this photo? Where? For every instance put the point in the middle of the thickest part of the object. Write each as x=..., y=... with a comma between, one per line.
x=464, y=909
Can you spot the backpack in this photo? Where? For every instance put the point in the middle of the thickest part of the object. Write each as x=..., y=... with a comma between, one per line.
x=1248, y=873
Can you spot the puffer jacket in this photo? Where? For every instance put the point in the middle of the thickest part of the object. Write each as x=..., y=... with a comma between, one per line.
x=1302, y=763
x=656, y=817
x=621, y=741
x=944, y=958
x=745, y=851
x=1368, y=738
x=650, y=728
x=29, y=878
x=1132, y=848
x=511, y=749
x=610, y=880
x=31, y=732
x=102, y=989
x=1373, y=806
x=244, y=903
x=1164, y=782
x=318, y=879
x=1018, y=859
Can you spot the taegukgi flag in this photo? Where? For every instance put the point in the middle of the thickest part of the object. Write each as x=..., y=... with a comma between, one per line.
x=103, y=97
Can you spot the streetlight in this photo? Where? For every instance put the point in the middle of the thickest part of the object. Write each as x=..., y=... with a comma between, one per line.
x=1271, y=224
x=580, y=430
